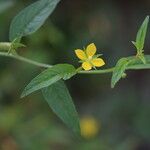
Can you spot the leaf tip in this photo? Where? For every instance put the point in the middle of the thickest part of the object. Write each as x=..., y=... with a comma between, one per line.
x=147, y=17
x=146, y=20
x=22, y=95
x=112, y=85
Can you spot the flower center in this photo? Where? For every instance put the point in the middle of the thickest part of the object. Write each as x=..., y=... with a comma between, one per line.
x=90, y=58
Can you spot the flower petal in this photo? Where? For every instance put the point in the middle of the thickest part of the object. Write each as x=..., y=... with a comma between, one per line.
x=80, y=54
x=91, y=50
x=86, y=66
x=98, y=62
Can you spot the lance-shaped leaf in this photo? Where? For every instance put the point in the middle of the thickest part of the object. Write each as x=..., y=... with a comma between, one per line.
x=31, y=18
x=119, y=71
x=140, y=38
x=48, y=77
x=60, y=101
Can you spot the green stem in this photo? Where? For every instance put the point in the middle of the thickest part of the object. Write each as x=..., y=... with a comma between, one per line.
x=97, y=71
x=25, y=60
x=5, y=46
x=5, y=54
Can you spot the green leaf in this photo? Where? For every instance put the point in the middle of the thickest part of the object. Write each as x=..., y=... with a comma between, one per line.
x=31, y=18
x=48, y=77
x=60, y=101
x=140, y=38
x=119, y=71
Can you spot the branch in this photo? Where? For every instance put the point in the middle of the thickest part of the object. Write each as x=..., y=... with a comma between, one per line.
x=5, y=46
x=25, y=60
x=97, y=71
x=5, y=54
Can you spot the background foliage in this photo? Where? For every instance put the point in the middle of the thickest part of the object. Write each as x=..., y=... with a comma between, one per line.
x=123, y=113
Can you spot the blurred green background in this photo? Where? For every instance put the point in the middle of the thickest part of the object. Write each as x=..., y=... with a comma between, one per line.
x=122, y=114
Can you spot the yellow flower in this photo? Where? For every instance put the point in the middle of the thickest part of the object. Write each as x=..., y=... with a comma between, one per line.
x=88, y=57
x=89, y=127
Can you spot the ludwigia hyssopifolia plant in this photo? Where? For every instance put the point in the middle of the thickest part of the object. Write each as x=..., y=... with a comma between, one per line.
x=51, y=80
